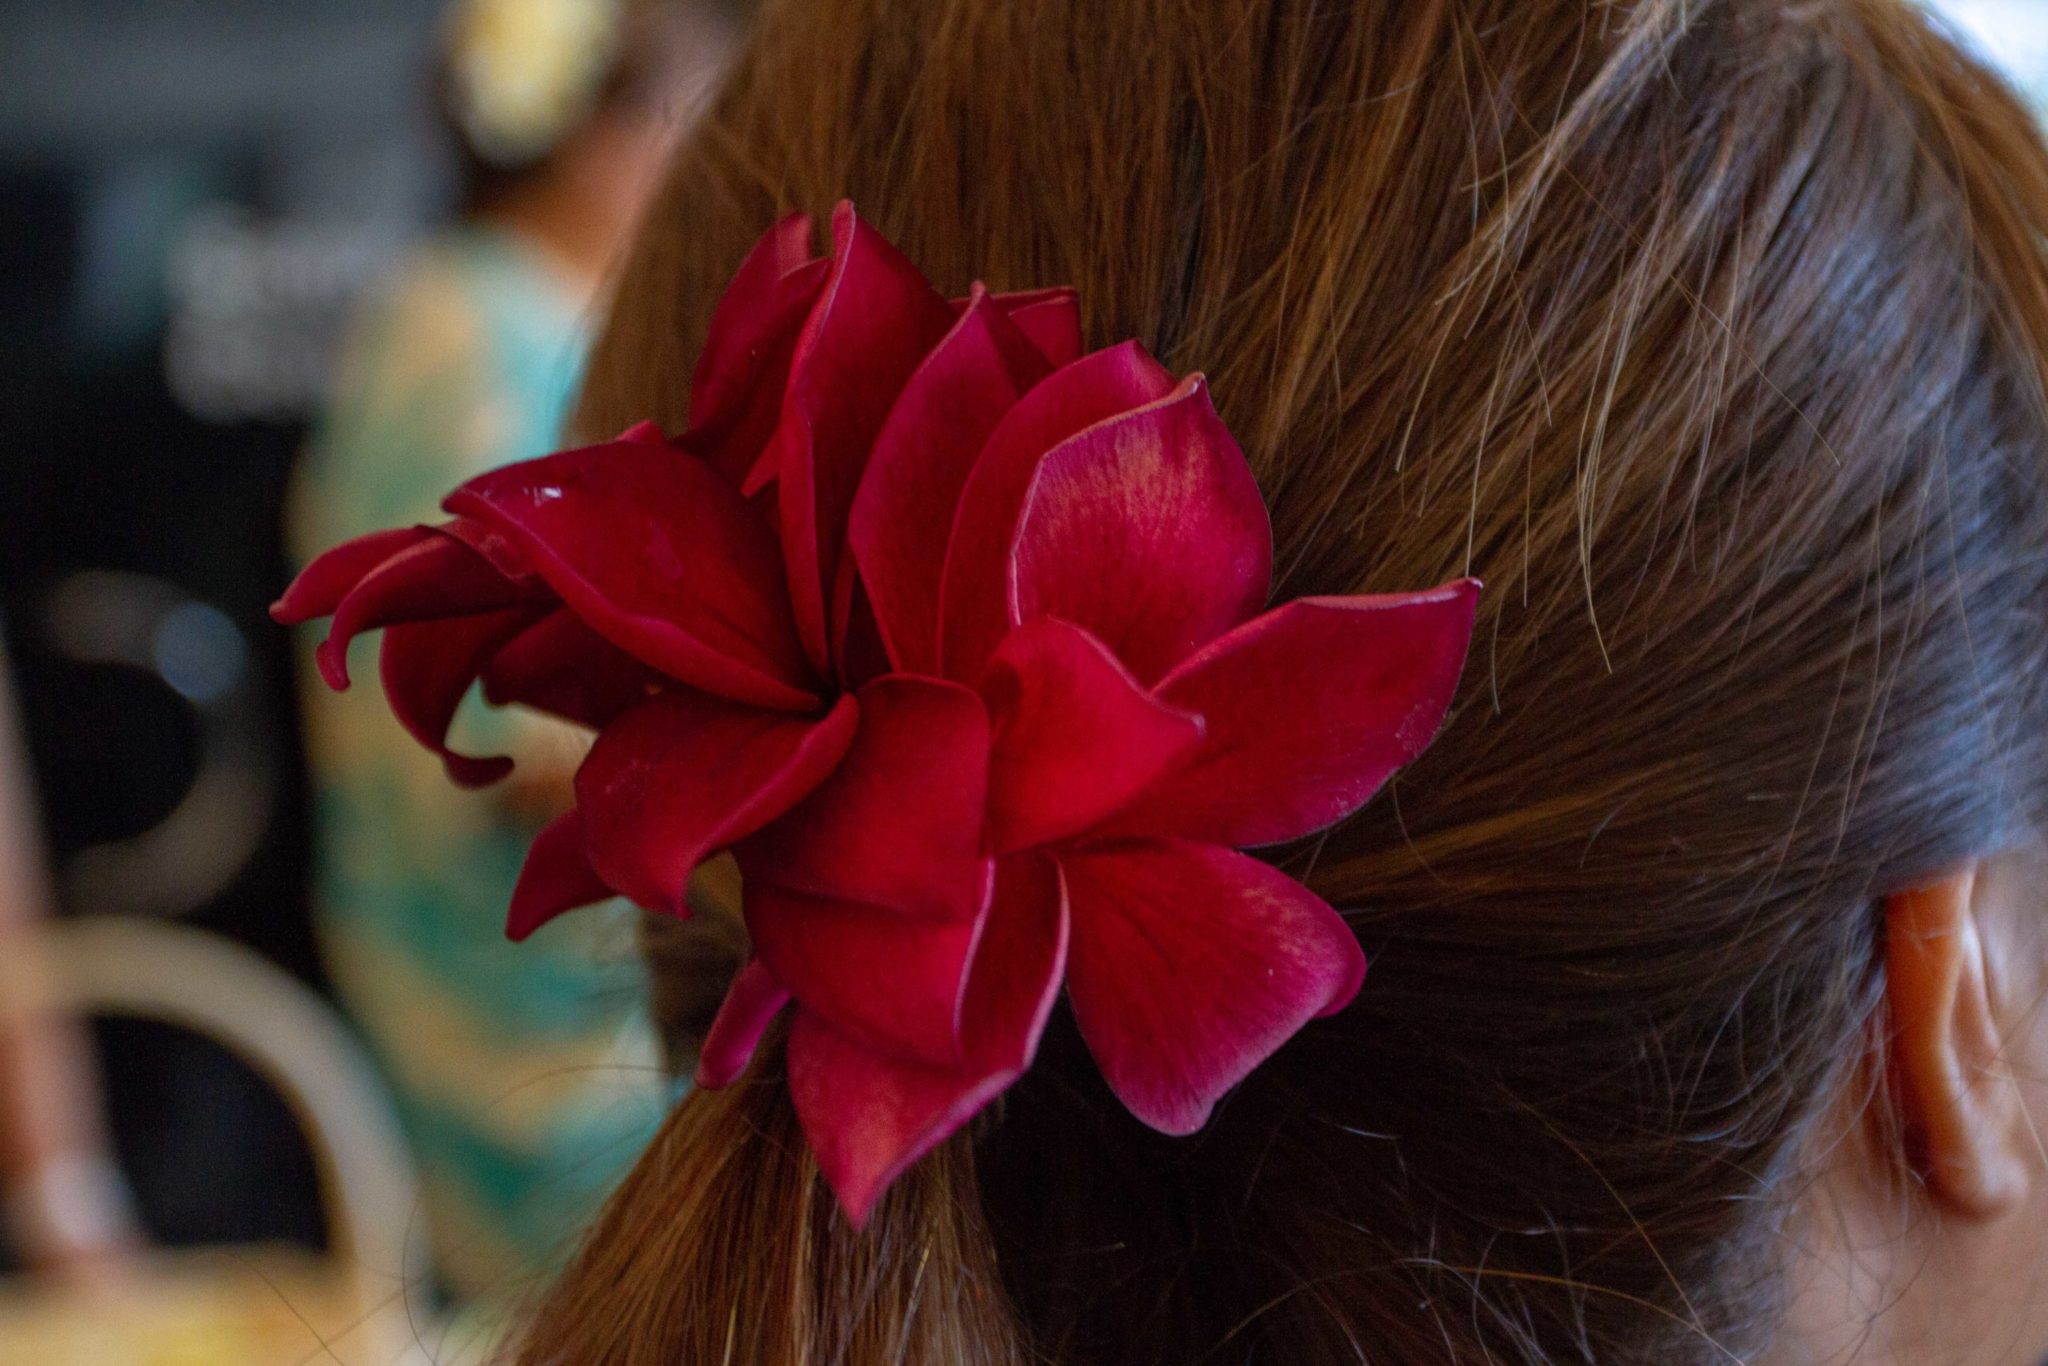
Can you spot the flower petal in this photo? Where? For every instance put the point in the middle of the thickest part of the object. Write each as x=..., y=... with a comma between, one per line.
x=873, y=321
x=322, y=584
x=751, y=316
x=899, y=823
x=1148, y=531
x=974, y=596
x=869, y=1116
x=879, y=876
x=684, y=775
x=753, y=1000
x=505, y=557
x=1310, y=708
x=1050, y=318
x=736, y=390
x=895, y=983
x=436, y=577
x=1018, y=964
x=903, y=511
x=560, y=666
x=556, y=877
x=661, y=557
x=1076, y=736
x=427, y=668
x=1190, y=965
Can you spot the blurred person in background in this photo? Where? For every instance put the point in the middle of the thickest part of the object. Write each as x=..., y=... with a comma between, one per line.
x=525, y=1076
x=64, y=1207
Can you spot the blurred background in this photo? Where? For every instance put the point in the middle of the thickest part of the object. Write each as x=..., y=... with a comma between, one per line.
x=274, y=273
x=271, y=273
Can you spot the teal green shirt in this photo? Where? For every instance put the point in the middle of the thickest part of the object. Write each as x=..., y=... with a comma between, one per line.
x=525, y=1074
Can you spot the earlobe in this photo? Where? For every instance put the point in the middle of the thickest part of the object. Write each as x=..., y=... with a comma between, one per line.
x=1962, y=1108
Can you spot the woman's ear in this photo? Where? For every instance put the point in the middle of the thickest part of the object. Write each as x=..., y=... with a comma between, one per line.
x=1964, y=1114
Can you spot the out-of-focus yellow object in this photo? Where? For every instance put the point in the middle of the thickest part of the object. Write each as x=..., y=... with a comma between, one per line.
x=526, y=70
x=259, y=1306
x=360, y=1304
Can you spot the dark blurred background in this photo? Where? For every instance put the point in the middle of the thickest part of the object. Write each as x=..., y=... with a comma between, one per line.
x=192, y=195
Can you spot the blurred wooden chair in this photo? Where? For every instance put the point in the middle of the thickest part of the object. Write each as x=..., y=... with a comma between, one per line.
x=356, y=1305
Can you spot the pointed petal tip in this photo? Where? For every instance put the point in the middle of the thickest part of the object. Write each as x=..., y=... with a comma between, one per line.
x=845, y=223
x=1191, y=966
x=556, y=878
x=1180, y=1123
x=751, y=1004
x=791, y=235
x=1469, y=589
x=1347, y=988
x=523, y=917
x=859, y=1192
x=1466, y=589
x=1050, y=319
x=329, y=577
x=469, y=772
x=716, y=1078
x=859, y=1175
x=871, y=1116
x=332, y=662
x=1460, y=592
x=1311, y=707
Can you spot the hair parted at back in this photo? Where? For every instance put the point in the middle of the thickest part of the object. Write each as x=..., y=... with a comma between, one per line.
x=1709, y=333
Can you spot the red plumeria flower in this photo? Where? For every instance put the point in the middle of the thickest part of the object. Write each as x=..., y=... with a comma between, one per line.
x=958, y=639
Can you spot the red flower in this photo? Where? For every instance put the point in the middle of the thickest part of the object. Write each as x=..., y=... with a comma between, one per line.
x=957, y=639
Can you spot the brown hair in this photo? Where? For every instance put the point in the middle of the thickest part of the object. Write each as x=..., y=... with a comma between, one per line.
x=1710, y=334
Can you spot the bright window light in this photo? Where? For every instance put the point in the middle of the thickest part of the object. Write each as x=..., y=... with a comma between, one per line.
x=2012, y=34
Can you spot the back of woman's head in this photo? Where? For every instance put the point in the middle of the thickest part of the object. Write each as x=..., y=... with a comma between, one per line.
x=1707, y=333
